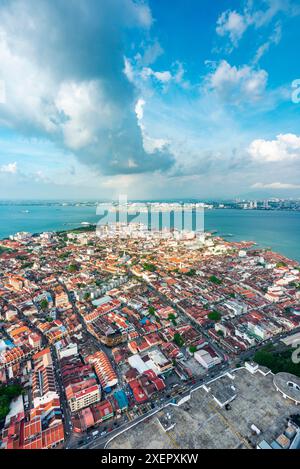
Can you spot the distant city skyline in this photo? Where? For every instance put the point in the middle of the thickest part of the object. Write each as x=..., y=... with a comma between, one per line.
x=155, y=99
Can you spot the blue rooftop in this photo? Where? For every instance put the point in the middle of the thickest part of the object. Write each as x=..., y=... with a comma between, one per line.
x=121, y=399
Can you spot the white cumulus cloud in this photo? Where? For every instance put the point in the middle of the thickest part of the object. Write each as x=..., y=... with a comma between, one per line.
x=285, y=147
x=150, y=144
x=10, y=168
x=237, y=84
x=233, y=24
x=253, y=14
x=163, y=77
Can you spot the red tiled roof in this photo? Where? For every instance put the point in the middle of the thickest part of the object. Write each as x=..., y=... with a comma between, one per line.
x=32, y=428
x=53, y=435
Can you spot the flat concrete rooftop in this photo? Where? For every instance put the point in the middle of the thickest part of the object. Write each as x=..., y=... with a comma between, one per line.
x=202, y=423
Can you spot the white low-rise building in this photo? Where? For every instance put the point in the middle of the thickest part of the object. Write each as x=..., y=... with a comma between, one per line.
x=205, y=359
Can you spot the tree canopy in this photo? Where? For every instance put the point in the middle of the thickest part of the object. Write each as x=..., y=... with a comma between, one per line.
x=277, y=361
x=178, y=340
x=150, y=267
x=214, y=315
x=215, y=280
x=7, y=394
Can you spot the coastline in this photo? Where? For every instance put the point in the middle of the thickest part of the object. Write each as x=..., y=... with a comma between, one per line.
x=278, y=230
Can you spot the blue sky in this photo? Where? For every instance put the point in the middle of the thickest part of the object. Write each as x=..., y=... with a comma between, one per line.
x=150, y=98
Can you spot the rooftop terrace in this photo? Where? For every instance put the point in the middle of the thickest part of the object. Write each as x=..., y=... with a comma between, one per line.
x=202, y=423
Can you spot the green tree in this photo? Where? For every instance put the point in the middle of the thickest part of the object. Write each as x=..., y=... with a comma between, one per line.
x=11, y=391
x=149, y=266
x=280, y=264
x=214, y=316
x=64, y=255
x=215, y=280
x=87, y=296
x=178, y=340
x=7, y=393
x=4, y=407
x=277, y=361
x=27, y=265
x=191, y=273
x=73, y=268
x=21, y=257
x=171, y=316
x=3, y=249
x=44, y=305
